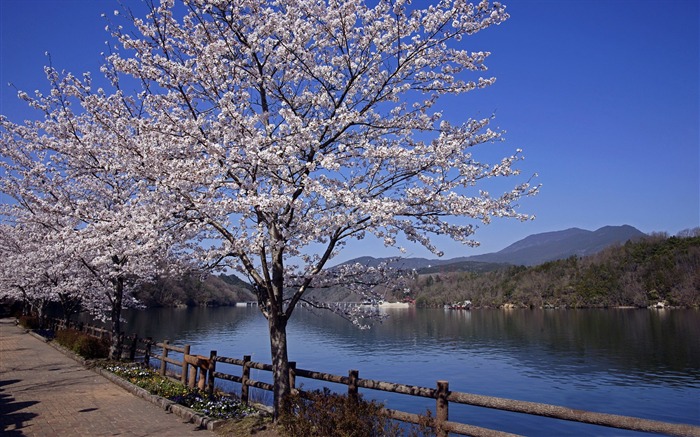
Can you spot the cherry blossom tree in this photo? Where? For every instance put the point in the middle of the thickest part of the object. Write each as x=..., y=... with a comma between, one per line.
x=34, y=265
x=19, y=284
x=282, y=129
x=278, y=130
x=65, y=176
x=35, y=268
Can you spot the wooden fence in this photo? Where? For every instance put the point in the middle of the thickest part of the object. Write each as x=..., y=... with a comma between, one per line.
x=200, y=371
x=132, y=345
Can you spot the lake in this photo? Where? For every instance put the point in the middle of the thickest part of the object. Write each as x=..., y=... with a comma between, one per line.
x=633, y=362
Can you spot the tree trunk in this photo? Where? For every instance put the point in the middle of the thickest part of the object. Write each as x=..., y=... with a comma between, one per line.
x=69, y=307
x=40, y=309
x=280, y=361
x=115, y=345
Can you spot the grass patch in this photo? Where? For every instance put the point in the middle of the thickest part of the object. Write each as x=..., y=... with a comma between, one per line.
x=258, y=425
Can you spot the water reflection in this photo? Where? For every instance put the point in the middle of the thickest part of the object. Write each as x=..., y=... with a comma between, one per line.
x=636, y=341
x=633, y=342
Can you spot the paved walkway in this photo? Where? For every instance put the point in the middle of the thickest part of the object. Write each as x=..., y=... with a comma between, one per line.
x=45, y=393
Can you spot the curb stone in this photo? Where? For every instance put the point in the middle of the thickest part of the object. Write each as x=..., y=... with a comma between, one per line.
x=37, y=336
x=166, y=404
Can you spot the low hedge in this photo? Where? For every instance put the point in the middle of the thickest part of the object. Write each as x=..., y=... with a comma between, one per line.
x=82, y=344
x=29, y=322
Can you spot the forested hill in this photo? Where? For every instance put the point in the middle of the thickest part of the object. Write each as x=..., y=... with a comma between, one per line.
x=638, y=273
x=193, y=290
x=549, y=246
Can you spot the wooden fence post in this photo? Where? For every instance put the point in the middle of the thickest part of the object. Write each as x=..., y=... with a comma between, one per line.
x=441, y=408
x=203, y=364
x=183, y=377
x=210, y=373
x=244, y=379
x=353, y=376
x=292, y=374
x=147, y=354
x=163, y=364
x=192, y=379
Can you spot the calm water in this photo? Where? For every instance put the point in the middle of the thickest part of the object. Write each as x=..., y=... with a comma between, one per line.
x=642, y=363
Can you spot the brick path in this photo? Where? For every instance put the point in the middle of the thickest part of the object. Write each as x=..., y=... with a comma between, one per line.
x=44, y=393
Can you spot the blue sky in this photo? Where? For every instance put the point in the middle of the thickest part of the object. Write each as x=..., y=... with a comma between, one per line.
x=602, y=96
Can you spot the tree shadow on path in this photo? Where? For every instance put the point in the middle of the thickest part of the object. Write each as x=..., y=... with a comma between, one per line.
x=12, y=418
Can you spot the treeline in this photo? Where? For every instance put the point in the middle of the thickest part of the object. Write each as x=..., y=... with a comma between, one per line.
x=639, y=273
x=195, y=290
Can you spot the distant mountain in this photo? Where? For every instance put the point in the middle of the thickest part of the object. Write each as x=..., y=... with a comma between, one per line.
x=533, y=250
x=549, y=246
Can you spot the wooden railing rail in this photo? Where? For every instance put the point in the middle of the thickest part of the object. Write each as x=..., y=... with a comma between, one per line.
x=320, y=376
x=582, y=416
x=410, y=390
x=170, y=347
